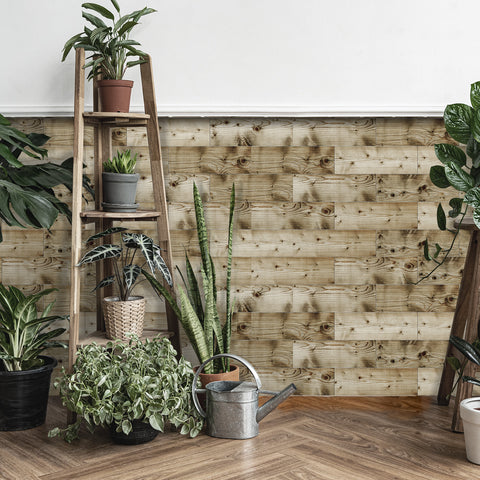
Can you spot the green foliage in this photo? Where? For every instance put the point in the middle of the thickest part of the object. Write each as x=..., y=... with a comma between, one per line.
x=126, y=272
x=200, y=319
x=459, y=171
x=27, y=198
x=111, y=50
x=125, y=381
x=23, y=333
x=122, y=162
x=471, y=352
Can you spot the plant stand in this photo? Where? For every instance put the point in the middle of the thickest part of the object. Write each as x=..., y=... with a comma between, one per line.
x=102, y=123
x=465, y=322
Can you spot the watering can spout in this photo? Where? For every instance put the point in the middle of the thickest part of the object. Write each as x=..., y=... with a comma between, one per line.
x=275, y=401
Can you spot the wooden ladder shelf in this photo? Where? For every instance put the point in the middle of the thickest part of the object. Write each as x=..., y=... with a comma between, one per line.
x=102, y=123
x=465, y=321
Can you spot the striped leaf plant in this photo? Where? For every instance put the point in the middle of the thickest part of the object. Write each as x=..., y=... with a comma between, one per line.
x=197, y=309
x=127, y=273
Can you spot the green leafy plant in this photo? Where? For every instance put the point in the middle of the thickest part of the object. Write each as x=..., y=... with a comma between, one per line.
x=471, y=352
x=23, y=332
x=122, y=162
x=27, y=198
x=116, y=384
x=127, y=273
x=459, y=170
x=110, y=45
x=198, y=312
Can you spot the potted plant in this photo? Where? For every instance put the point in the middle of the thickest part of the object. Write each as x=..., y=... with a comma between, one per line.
x=198, y=311
x=133, y=388
x=124, y=313
x=27, y=198
x=459, y=170
x=24, y=372
x=120, y=183
x=111, y=51
x=470, y=407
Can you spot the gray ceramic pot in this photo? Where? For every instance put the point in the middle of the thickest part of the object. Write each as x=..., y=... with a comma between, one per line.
x=119, y=191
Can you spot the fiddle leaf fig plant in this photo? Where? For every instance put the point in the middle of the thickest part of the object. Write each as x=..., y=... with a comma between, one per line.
x=114, y=385
x=460, y=170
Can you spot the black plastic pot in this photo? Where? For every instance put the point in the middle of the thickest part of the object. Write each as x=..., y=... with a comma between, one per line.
x=141, y=433
x=24, y=396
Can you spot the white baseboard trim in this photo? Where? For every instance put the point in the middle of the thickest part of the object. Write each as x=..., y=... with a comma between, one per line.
x=239, y=111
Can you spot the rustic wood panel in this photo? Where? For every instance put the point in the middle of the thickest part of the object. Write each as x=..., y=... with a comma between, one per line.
x=288, y=325
x=362, y=160
x=375, y=326
x=330, y=222
x=283, y=243
x=418, y=298
x=434, y=326
x=300, y=215
x=309, y=381
x=409, y=188
x=376, y=381
x=334, y=188
x=407, y=243
x=248, y=132
x=429, y=380
x=338, y=131
x=265, y=353
x=375, y=215
x=334, y=354
x=410, y=354
x=261, y=187
x=427, y=215
x=336, y=298
x=411, y=131
x=375, y=270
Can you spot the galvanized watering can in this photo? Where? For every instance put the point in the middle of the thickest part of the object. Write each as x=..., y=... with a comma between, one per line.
x=232, y=407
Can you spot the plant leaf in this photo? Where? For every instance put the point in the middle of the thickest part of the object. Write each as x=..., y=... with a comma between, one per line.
x=466, y=349
x=450, y=153
x=109, y=231
x=441, y=218
x=101, y=253
x=438, y=177
x=459, y=178
x=456, y=204
x=458, y=119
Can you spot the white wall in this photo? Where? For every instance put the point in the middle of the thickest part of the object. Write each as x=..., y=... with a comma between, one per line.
x=277, y=57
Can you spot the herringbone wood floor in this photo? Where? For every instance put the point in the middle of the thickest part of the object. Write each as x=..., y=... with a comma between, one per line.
x=354, y=438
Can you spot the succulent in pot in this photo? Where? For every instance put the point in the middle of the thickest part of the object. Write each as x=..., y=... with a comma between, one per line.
x=134, y=388
x=124, y=313
x=120, y=183
x=112, y=51
x=198, y=311
x=24, y=372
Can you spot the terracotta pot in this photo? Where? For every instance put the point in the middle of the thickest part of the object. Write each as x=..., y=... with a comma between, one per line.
x=233, y=375
x=115, y=95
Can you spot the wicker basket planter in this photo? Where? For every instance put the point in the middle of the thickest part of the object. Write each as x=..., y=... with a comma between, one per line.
x=122, y=317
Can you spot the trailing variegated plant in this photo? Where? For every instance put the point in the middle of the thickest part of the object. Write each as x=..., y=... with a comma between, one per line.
x=200, y=318
x=127, y=273
x=27, y=198
x=459, y=170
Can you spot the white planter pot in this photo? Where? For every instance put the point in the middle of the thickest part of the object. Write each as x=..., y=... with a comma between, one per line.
x=470, y=413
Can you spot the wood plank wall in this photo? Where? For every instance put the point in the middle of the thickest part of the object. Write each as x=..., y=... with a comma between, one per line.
x=329, y=228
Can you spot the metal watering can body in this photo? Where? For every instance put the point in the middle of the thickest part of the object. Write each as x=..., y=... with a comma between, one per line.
x=232, y=407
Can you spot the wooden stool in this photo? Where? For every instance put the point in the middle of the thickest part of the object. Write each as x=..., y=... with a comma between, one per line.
x=465, y=323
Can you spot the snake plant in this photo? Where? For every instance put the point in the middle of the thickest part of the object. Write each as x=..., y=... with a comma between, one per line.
x=198, y=312
x=109, y=45
x=27, y=198
x=23, y=333
x=126, y=272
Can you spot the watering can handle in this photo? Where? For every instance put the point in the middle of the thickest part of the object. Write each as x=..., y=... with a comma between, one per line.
x=195, y=390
